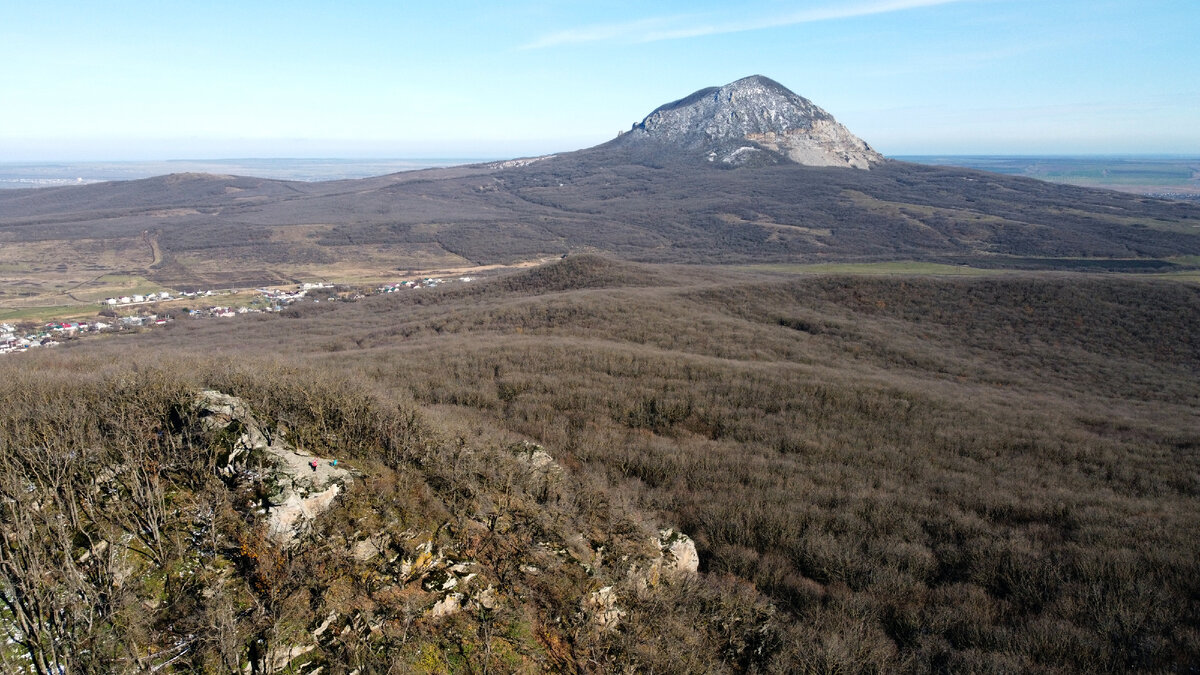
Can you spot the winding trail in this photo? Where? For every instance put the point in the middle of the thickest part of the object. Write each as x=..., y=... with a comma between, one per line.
x=151, y=240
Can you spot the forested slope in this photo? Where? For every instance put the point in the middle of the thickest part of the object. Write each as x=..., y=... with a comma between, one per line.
x=990, y=474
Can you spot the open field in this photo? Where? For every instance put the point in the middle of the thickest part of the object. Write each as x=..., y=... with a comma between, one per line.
x=85, y=300
x=43, y=314
x=41, y=294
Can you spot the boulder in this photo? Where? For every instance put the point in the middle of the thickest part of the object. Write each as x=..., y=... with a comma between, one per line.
x=488, y=598
x=302, y=485
x=224, y=413
x=676, y=558
x=446, y=606
x=368, y=549
x=678, y=554
x=602, y=606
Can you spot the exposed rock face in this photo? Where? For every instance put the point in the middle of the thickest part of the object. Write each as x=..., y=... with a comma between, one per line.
x=225, y=413
x=752, y=117
x=679, y=557
x=301, y=491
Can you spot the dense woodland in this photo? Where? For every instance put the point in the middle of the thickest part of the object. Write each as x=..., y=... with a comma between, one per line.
x=914, y=474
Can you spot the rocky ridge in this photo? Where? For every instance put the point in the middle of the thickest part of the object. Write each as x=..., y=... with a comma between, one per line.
x=302, y=485
x=753, y=120
x=442, y=578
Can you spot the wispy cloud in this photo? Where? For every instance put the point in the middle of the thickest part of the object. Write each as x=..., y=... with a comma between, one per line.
x=691, y=26
x=939, y=62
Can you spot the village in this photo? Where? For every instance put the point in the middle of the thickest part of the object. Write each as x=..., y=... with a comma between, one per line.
x=148, y=311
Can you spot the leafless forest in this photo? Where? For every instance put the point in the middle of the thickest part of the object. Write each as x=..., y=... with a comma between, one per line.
x=905, y=473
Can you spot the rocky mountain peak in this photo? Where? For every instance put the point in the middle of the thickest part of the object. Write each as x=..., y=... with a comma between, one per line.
x=755, y=114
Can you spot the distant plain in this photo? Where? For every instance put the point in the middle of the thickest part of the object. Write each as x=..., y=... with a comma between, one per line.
x=18, y=175
x=1177, y=177
x=1148, y=174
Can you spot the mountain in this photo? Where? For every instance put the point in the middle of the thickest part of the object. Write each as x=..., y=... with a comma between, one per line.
x=606, y=464
x=747, y=173
x=742, y=121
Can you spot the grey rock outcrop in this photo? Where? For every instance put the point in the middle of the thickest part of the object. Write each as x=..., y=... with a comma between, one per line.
x=602, y=606
x=303, y=485
x=676, y=559
x=678, y=554
x=229, y=414
x=753, y=119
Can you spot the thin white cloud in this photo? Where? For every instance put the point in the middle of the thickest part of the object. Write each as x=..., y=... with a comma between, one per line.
x=683, y=27
x=940, y=63
x=610, y=31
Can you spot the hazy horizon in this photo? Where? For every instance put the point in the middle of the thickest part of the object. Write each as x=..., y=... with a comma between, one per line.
x=143, y=81
x=1147, y=173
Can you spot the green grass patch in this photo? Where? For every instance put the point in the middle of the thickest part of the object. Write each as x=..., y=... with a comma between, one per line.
x=47, y=313
x=114, y=286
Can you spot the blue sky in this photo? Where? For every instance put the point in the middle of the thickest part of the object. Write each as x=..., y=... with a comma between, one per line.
x=106, y=80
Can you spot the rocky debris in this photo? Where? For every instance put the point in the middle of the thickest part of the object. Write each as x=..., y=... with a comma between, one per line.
x=738, y=121
x=420, y=563
x=279, y=658
x=602, y=606
x=325, y=624
x=673, y=555
x=302, y=486
x=289, y=516
x=676, y=558
x=542, y=473
x=446, y=606
x=488, y=598
x=437, y=572
x=370, y=548
x=539, y=462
